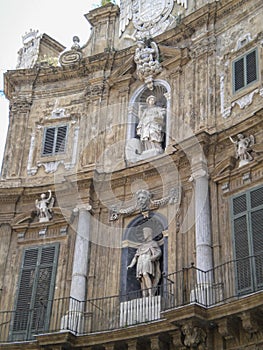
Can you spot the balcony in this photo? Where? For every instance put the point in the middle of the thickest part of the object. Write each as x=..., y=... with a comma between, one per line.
x=222, y=285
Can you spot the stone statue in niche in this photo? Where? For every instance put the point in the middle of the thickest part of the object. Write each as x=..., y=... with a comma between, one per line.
x=151, y=126
x=147, y=263
x=146, y=58
x=44, y=207
x=243, y=148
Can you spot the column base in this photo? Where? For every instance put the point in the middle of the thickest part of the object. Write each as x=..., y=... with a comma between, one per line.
x=73, y=321
x=207, y=294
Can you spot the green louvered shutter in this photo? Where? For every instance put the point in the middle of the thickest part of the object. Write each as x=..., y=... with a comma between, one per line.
x=247, y=223
x=35, y=292
x=256, y=202
x=54, y=140
x=241, y=244
x=245, y=70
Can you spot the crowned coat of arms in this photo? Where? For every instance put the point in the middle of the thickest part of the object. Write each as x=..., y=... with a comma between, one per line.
x=149, y=18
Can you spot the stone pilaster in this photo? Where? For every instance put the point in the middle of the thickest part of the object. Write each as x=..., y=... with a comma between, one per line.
x=16, y=140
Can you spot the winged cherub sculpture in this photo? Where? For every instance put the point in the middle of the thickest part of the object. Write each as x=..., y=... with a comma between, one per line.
x=44, y=207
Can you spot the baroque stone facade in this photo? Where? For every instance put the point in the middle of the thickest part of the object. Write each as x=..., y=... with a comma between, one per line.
x=154, y=128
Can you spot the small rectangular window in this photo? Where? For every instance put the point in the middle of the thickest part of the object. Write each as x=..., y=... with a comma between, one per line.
x=54, y=140
x=245, y=70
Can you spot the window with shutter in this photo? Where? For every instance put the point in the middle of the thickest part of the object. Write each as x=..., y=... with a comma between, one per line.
x=35, y=292
x=245, y=70
x=247, y=218
x=54, y=140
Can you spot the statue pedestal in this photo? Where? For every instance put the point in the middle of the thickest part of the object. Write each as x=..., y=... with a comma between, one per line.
x=140, y=310
x=243, y=162
x=134, y=152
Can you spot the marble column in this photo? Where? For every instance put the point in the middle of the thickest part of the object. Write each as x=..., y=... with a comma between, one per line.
x=74, y=318
x=204, y=256
x=81, y=255
x=203, y=292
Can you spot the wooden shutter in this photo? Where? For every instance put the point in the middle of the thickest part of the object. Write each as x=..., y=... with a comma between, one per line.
x=245, y=70
x=256, y=200
x=35, y=291
x=239, y=74
x=241, y=244
x=49, y=141
x=61, y=139
x=251, y=67
x=55, y=140
x=247, y=211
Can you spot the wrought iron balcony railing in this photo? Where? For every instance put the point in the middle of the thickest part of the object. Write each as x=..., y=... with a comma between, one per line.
x=222, y=284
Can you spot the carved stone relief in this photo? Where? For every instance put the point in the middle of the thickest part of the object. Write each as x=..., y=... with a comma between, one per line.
x=194, y=337
x=147, y=59
x=144, y=203
x=149, y=18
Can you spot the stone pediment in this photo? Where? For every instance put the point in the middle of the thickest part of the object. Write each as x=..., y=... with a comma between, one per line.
x=172, y=54
x=123, y=72
x=224, y=167
x=30, y=218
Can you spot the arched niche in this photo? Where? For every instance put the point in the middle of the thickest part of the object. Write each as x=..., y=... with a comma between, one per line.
x=162, y=92
x=133, y=237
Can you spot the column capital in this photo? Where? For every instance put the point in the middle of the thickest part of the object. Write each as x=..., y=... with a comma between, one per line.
x=82, y=207
x=198, y=173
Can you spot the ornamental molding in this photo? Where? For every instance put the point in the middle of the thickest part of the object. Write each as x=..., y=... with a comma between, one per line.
x=246, y=100
x=73, y=56
x=51, y=166
x=243, y=102
x=144, y=203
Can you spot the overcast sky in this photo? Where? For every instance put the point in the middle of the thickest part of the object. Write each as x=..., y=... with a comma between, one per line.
x=60, y=19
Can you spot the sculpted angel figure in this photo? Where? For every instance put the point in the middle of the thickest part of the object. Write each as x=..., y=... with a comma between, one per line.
x=148, y=266
x=44, y=207
x=243, y=145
